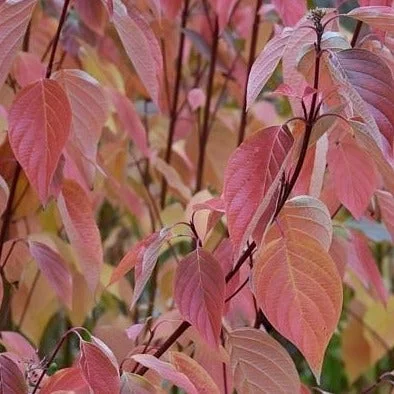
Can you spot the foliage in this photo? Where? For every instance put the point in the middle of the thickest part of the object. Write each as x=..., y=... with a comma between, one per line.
x=196, y=195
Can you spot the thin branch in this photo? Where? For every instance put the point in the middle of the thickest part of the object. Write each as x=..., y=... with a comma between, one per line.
x=252, y=55
x=356, y=34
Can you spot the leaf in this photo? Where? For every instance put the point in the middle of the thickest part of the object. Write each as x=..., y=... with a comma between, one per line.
x=28, y=68
x=12, y=380
x=386, y=205
x=303, y=216
x=90, y=108
x=131, y=121
x=253, y=173
x=260, y=364
x=290, y=15
x=265, y=64
x=199, y=293
x=39, y=126
x=173, y=178
x=14, y=18
x=93, y=14
x=199, y=377
x=77, y=216
x=380, y=17
x=136, y=384
x=98, y=370
x=144, y=252
x=361, y=260
x=141, y=46
x=4, y=194
x=166, y=371
x=19, y=345
x=368, y=84
x=297, y=285
x=354, y=174
x=65, y=380
x=196, y=98
x=55, y=269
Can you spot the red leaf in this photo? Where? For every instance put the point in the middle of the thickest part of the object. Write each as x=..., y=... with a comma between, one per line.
x=265, y=64
x=98, y=370
x=199, y=293
x=19, y=345
x=166, y=371
x=131, y=121
x=93, y=14
x=143, y=254
x=369, y=85
x=290, y=15
x=386, y=204
x=90, y=109
x=55, y=269
x=12, y=380
x=14, y=18
x=362, y=262
x=258, y=361
x=66, y=380
x=380, y=17
x=253, y=173
x=76, y=212
x=354, y=174
x=28, y=68
x=141, y=45
x=305, y=314
x=39, y=126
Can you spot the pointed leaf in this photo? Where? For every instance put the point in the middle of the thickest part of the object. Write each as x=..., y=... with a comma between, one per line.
x=93, y=14
x=253, y=173
x=141, y=45
x=166, y=371
x=265, y=64
x=98, y=370
x=260, y=364
x=90, y=108
x=199, y=377
x=369, y=85
x=354, y=174
x=303, y=216
x=28, y=68
x=199, y=293
x=78, y=219
x=12, y=380
x=380, y=17
x=55, y=269
x=66, y=379
x=290, y=15
x=306, y=314
x=361, y=260
x=39, y=126
x=19, y=345
x=14, y=18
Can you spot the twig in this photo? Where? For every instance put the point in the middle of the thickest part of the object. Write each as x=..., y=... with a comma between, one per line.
x=356, y=34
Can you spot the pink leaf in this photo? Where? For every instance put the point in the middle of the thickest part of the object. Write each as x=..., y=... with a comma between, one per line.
x=258, y=361
x=133, y=331
x=144, y=254
x=98, y=370
x=12, y=380
x=136, y=384
x=265, y=64
x=199, y=293
x=55, y=269
x=253, y=173
x=131, y=121
x=290, y=15
x=19, y=345
x=65, y=380
x=78, y=219
x=354, y=174
x=90, y=108
x=28, y=68
x=141, y=45
x=166, y=371
x=369, y=85
x=380, y=17
x=93, y=14
x=362, y=262
x=39, y=126
x=386, y=204
x=306, y=314
x=196, y=98
x=4, y=194
x=14, y=18
x=199, y=377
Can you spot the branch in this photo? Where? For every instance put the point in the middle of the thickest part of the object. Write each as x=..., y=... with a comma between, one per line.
x=356, y=34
